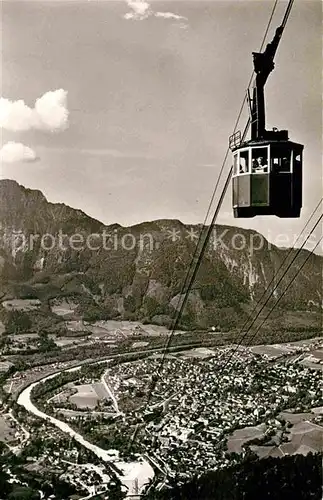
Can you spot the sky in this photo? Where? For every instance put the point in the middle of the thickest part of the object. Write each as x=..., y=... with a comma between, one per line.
x=123, y=108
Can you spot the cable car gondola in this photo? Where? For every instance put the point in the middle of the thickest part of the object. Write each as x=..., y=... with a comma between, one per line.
x=267, y=169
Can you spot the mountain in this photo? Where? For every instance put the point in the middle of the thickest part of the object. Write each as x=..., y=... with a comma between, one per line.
x=54, y=252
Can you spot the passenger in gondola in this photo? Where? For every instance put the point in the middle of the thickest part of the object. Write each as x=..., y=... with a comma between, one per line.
x=255, y=165
x=285, y=165
x=262, y=166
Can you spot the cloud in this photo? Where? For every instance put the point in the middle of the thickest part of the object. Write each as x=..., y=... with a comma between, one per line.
x=169, y=15
x=50, y=113
x=13, y=152
x=140, y=10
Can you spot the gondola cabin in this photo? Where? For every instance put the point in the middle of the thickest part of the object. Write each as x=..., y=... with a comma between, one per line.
x=267, y=178
x=267, y=169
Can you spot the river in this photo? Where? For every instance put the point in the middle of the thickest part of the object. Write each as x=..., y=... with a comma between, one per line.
x=135, y=474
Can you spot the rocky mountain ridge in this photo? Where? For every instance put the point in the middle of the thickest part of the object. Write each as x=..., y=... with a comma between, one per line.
x=52, y=251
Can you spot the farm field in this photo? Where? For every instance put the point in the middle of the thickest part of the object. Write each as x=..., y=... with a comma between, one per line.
x=21, y=304
x=63, y=308
x=242, y=436
x=303, y=436
x=88, y=395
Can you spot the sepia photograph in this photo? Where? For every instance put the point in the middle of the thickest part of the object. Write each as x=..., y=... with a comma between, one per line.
x=161, y=250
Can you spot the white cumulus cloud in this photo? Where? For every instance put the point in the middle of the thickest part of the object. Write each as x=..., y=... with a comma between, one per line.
x=49, y=113
x=13, y=152
x=140, y=10
x=169, y=15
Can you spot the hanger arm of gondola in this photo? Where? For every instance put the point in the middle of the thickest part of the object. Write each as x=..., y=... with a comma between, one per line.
x=263, y=63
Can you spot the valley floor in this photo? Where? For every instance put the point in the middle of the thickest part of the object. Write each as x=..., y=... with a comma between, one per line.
x=202, y=413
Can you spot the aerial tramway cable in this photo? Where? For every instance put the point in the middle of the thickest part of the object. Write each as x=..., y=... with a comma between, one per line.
x=207, y=229
x=282, y=295
x=203, y=242
x=268, y=286
x=279, y=281
x=278, y=300
x=248, y=320
x=289, y=284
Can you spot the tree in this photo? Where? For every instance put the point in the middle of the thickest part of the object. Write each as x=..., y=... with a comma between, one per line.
x=292, y=477
x=96, y=313
x=4, y=484
x=115, y=492
x=46, y=343
x=18, y=322
x=23, y=493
